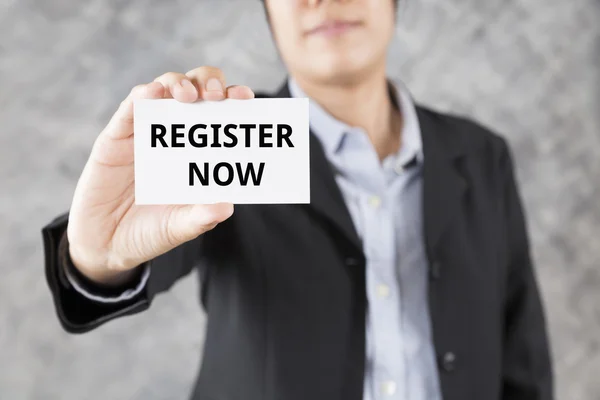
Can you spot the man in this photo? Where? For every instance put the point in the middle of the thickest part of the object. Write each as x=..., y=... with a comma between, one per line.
x=407, y=277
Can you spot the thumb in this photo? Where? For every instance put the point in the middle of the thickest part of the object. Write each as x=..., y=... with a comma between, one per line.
x=187, y=222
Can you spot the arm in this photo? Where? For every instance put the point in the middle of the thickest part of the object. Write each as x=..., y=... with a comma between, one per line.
x=107, y=240
x=78, y=313
x=527, y=369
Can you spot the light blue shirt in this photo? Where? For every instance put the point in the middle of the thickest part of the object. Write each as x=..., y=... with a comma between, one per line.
x=384, y=200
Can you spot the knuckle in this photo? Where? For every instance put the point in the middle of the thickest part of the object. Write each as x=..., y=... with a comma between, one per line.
x=206, y=71
x=169, y=77
x=139, y=87
x=136, y=89
x=214, y=71
x=133, y=93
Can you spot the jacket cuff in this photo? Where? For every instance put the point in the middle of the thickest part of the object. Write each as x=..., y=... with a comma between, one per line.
x=95, y=292
x=76, y=312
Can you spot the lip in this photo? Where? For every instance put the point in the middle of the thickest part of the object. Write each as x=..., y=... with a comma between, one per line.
x=333, y=27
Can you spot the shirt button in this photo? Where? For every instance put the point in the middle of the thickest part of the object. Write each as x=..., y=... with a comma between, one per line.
x=449, y=361
x=399, y=168
x=388, y=388
x=374, y=201
x=383, y=290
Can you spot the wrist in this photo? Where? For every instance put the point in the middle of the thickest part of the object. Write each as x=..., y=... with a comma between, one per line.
x=98, y=273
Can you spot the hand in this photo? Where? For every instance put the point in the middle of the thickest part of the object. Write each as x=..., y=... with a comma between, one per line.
x=108, y=234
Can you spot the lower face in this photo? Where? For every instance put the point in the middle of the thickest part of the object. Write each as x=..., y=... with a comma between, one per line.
x=332, y=41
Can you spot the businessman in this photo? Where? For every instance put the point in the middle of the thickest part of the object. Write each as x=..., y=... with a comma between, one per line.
x=407, y=277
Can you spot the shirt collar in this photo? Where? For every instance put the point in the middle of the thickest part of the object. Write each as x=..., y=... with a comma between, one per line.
x=330, y=131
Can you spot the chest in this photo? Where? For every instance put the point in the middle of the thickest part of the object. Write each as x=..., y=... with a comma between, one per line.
x=297, y=279
x=306, y=257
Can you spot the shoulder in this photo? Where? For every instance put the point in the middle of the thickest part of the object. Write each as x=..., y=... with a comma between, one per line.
x=473, y=135
x=465, y=134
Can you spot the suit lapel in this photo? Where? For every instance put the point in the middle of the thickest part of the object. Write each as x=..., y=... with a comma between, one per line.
x=443, y=184
x=326, y=197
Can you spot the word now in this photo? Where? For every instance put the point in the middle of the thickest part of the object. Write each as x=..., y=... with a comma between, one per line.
x=203, y=176
x=222, y=136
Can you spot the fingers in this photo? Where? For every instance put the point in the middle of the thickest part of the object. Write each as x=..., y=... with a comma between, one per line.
x=178, y=87
x=121, y=123
x=206, y=83
x=184, y=223
x=210, y=81
x=208, y=215
x=239, y=92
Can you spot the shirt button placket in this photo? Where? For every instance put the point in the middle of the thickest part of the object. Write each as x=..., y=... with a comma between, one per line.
x=383, y=290
x=375, y=202
x=388, y=388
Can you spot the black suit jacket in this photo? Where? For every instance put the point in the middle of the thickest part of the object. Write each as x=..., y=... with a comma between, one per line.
x=284, y=285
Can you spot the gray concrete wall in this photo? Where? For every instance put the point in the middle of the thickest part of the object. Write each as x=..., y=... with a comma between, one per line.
x=528, y=68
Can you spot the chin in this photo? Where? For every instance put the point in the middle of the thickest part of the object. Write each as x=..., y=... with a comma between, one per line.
x=339, y=69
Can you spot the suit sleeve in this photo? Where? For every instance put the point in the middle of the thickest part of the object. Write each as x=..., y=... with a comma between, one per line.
x=78, y=313
x=527, y=369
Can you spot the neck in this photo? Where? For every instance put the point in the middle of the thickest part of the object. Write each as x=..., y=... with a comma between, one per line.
x=365, y=104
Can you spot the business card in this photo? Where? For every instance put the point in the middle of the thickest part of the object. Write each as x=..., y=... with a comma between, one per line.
x=240, y=151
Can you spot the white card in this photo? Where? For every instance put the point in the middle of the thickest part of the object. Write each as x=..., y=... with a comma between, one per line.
x=239, y=151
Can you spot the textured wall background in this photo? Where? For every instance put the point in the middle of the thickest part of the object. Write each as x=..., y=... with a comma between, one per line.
x=528, y=68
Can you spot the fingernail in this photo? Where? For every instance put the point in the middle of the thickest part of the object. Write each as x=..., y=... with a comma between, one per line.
x=214, y=84
x=176, y=85
x=187, y=85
